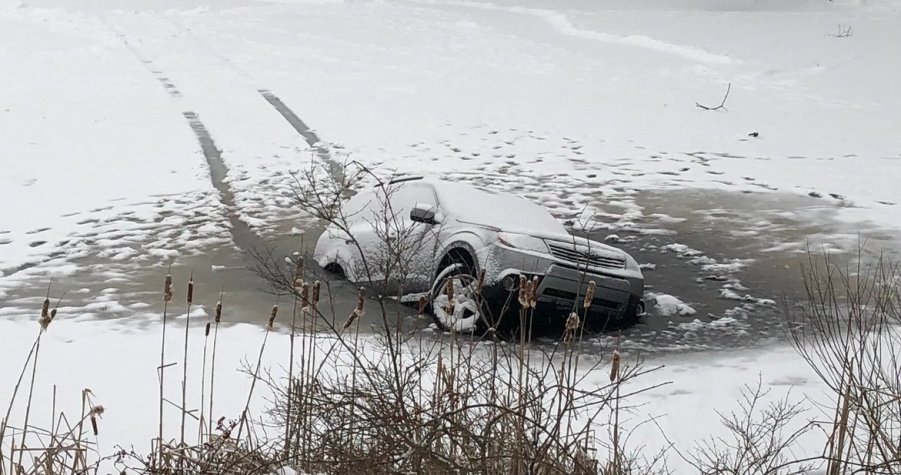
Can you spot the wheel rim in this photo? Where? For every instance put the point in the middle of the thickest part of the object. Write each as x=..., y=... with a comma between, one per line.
x=466, y=312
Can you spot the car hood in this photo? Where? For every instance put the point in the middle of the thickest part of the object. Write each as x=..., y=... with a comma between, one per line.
x=583, y=244
x=512, y=214
x=497, y=211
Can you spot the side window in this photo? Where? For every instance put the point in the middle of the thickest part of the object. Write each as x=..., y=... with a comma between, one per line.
x=407, y=195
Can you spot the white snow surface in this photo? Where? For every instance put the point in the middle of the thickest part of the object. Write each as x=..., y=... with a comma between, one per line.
x=117, y=361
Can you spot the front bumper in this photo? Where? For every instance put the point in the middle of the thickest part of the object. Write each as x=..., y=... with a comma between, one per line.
x=563, y=289
x=562, y=286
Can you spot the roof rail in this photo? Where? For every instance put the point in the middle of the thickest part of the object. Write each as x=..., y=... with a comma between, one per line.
x=403, y=179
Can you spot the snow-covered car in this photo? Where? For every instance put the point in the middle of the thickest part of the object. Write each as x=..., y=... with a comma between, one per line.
x=415, y=234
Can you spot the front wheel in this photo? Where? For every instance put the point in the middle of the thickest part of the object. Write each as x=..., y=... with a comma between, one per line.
x=463, y=311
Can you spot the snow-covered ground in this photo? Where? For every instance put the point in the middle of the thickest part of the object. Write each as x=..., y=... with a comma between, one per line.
x=117, y=362
x=587, y=108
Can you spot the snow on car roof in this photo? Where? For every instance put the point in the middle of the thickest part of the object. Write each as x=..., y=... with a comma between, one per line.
x=503, y=211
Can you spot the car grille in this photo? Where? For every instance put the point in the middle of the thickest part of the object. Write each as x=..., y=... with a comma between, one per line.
x=585, y=259
x=597, y=301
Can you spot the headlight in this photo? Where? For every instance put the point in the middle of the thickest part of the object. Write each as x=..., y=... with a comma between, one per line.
x=632, y=265
x=522, y=241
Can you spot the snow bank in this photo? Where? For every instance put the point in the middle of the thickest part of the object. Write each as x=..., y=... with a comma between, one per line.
x=117, y=360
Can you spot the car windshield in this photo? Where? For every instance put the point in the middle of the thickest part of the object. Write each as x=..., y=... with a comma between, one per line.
x=505, y=212
x=369, y=205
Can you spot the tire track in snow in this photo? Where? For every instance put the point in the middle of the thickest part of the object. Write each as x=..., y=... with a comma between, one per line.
x=311, y=138
x=308, y=134
x=242, y=235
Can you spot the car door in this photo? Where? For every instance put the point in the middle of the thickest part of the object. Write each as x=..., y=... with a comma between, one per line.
x=385, y=248
x=353, y=238
x=410, y=244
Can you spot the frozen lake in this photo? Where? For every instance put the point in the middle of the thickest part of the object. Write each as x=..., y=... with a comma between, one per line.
x=144, y=139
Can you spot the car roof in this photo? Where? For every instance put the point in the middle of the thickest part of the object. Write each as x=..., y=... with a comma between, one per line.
x=403, y=179
x=503, y=211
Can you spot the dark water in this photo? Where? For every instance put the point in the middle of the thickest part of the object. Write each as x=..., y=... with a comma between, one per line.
x=770, y=233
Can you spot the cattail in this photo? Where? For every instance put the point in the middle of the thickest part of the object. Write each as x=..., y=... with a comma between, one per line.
x=361, y=299
x=167, y=288
x=46, y=314
x=350, y=320
x=533, y=295
x=305, y=296
x=315, y=297
x=614, y=367
x=589, y=294
x=481, y=282
x=96, y=412
x=206, y=331
x=298, y=273
x=218, y=311
x=523, y=294
x=573, y=322
x=423, y=303
x=190, y=297
x=358, y=311
x=449, y=291
x=572, y=325
x=272, y=316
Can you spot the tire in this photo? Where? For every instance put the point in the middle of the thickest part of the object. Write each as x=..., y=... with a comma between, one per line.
x=468, y=309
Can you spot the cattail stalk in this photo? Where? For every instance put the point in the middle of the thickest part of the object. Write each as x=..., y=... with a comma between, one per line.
x=44, y=321
x=533, y=295
x=298, y=283
x=85, y=396
x=361, y=297
x=184, y=381
x=216, y=320
x=206, y=339
x=256, y=372
x=312, y=311
x=167, y=297
x=615, y=377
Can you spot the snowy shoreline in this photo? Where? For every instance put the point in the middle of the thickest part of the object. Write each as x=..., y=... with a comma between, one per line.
x=117, y=363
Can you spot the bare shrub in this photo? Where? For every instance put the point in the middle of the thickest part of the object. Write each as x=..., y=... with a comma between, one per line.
x=759, y=439
x=848, y=332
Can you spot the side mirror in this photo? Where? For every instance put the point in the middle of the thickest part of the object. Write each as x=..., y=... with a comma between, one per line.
x=423, y=213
